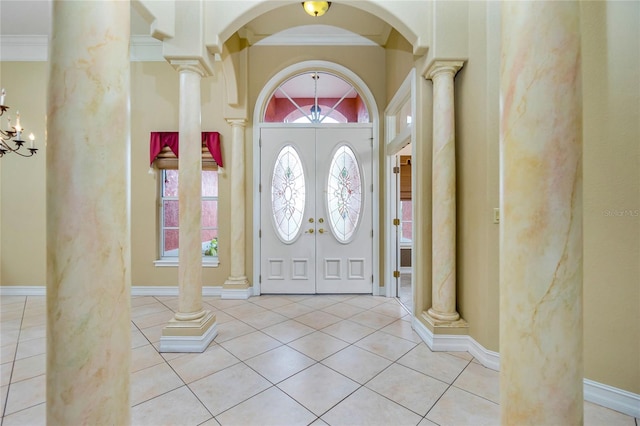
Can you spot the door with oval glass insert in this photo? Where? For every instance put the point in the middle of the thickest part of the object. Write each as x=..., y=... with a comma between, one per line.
x=316, y=210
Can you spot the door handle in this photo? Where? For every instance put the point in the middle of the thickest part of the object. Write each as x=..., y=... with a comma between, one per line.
x=321, y=231
x=321, y=220
x=310, y=220
x=310, y=231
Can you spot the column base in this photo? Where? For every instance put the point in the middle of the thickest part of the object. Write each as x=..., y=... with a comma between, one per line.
x=189, y=336
x=236, y=288
x=438, y=326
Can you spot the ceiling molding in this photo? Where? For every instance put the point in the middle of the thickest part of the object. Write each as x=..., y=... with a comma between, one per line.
x=35, y=48
x=310, y=35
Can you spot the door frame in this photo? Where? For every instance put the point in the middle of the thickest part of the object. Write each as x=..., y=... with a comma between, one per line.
x=261, y=104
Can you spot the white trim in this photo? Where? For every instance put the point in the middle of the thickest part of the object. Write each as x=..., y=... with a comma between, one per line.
x=236, y=293
x=35, y=48
x=25, y=290
x=598, y=393
x=261, y=101
x=207, y=262
x=188, y=343
x=616, y=399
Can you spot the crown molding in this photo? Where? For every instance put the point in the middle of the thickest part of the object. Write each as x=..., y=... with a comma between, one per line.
x=35, y=48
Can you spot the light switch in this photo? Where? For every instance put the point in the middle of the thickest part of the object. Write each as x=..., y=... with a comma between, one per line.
x=496, y=215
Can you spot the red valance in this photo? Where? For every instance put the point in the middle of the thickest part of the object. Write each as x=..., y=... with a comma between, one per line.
x=159, y=140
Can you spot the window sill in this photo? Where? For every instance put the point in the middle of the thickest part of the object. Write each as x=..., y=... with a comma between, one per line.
x=208, y=262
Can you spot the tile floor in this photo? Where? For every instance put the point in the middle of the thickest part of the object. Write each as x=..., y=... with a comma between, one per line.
x=277, y=360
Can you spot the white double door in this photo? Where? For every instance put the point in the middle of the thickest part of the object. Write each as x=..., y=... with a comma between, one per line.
x=316, y=231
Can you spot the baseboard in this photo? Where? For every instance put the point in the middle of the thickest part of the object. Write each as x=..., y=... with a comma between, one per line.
x=24, y=290
x=188, y=343
x=607, y=396
x=236, y=293
x=613, y=398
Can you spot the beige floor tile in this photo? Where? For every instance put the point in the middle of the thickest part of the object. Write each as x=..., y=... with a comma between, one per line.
x=152, y=382
x=137, y=301
x=223, y=304
x=318, y=319
x=5, y=373
x=4, y=390
x=464, y=355
x=365, y=407
x=232, y=329
x=8, y=352
x=178, y=407
x=288, y=331
x=365, y=302
x=229, y=387
x=318, y=388
x=372, y=319
x=157, y=318
x=192, y=367
x=427, y=422
x=222, y=318
x=279, y=363
x=480, y=381
x=271, y=407
x=407, y=387
x=457, y=407
x=144, y=357
x=596, y=415
x=438, y=365
x=293, y=310
x=154, y=333
x=8, y=336
x=357, y=364
x=319, y=302
x=262, y=320
x=144, y=310
x=9, y=300
x=27, y=368
x=28, y=348
x=33, y=416
x=318, y=345
x=402, y=329
x=34, y=319
x=270, y=302
x=245, y=310
x=386, y=345
x=250, y=345
x=25, y=394
x=343, y=310
x=138, y=339
x=394, y=310
x=348, y=331
x=35, y=332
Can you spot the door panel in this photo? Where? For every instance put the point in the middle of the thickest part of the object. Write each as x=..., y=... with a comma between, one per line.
x=287, y=252
x=325, y=247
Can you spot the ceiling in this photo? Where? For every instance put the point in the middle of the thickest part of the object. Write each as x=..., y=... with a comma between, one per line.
x=286, y=25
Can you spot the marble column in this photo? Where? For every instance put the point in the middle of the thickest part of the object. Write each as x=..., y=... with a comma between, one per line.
x=88, y=215
x=192, y=328
x=443, y=307
x=237, y=285
x=541, y=353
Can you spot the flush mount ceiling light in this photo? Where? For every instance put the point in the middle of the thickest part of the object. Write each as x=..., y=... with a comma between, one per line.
x=316, y=8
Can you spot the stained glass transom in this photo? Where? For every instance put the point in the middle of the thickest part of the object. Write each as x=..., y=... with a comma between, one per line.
x=344, y=194
x=288, y=194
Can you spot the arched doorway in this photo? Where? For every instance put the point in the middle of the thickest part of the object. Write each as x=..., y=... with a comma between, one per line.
x=315, y=147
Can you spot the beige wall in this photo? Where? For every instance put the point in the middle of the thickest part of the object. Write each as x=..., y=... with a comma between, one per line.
x=22, y=180
x=611, y=92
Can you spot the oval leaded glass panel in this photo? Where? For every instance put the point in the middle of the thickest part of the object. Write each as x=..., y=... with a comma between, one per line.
x=344, y=193
x=288, y=194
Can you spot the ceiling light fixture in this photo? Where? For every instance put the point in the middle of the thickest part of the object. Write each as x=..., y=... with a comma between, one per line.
x=316, y=8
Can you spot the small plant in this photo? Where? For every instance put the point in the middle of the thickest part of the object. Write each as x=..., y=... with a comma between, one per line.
x=212, y=248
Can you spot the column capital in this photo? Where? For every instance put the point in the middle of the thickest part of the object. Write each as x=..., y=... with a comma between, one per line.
x=237, y=122
x=189, y=65
x=439, y=67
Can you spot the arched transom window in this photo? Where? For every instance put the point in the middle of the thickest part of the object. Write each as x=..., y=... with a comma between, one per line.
x=316, y=97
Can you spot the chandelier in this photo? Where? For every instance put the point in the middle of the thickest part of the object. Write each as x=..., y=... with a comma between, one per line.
x=316, y=8
x=15, y=133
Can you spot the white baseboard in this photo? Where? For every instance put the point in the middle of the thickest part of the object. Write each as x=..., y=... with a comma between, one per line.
x=24, y=290
x=613, y=398
x=597, y=393
x=235, y=293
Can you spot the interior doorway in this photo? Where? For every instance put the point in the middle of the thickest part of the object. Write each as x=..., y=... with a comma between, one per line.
x=404, y=228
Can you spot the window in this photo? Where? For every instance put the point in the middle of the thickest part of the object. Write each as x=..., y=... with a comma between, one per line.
x=169, y=219
x=406, y=222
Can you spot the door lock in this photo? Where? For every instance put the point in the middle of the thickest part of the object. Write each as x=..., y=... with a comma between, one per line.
x=310, y=231
x=321, y=220
x=321, y=231
x=310, y=220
